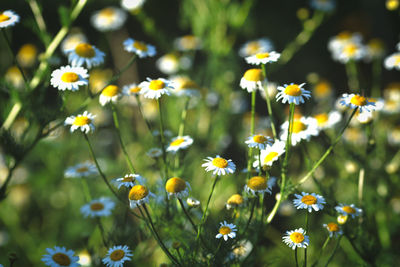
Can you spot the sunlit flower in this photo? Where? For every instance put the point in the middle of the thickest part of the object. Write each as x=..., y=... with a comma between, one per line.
x=241, y=250
x=110, y=94
x=309, y=201
x=84, y=258
x=257, y=185
x=14, y=77
x=101, y=207
x=334, y=229
x=357, y=101
x=349, y=210
x=251, y=48
x=108, y=19
x=296, y=238
x=336, y=43
x=365, y=117
x=259, y=141
x=323, y=5
x=139, y=48
x=270, y=154
x=219, y=166
x=81, y=170
x=184, y=86
x=179, y=142
x=327, y=120
x=187, y=43
x=72, y=40
x=85, y=54
x=60, y=256
x=322, y=90
x=350, y=51
x=292, y=93
x=69, y=78
x=131, y=89
x=27, y=55
x=171, y=63
x=154, y=152
x=252, y=80
x=302, y=129
x=177, y=187
x=8, y=18
x=84, y=122
x=234, y=201
x=342, y=219
x=132, y=5
x=263, y=58
x=139, y=195
x=117, y=255
x=271, y=89
x=392, y=61
x=98, y=79
x=355, y=136
x=154, y=89
x=192, y=202
x=392, y=4
x=128, y=180
x=226, y=230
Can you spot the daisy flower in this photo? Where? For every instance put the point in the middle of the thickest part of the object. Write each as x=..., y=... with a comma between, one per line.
x=292, y=93
x=303, y=129
x=110, y=94
x=234, y=201
x=309, y=201
x=392, y=61
x=327, y=120
x=336, y=43
x=27, y=55
x=70, y=78
x=226, y=230
x=108, y=19
x=357, y=101
x=179, y=142
x=263, y=58
x=139, y=48
x=177, y=187
x=375, y=49
x=81, y=170
x=117, y=255
x=323, y=5
x=131, y=89
x=184, y=86
x=219, y=166
x=322, y=90
x=128, y=180
x=139, y=195
x=60, y=256
x=8, y=18
x=259, y=141
x=192, y=202
x=154, y=152
x=98, y=208
x=85, y=54
x=168, y=64
x=333, y=229
x=270, y=154
x=72, y=40
x=252, y=80
x=350, y=210
x=350, y=51
x=342, y=219
x=251, y=48
x=187, y=43
x=257, y=184
x=296, y=238
x=154, y=89
x=132, y=5
x=84, y=122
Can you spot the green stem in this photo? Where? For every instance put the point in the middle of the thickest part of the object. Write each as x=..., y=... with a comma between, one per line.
x=305, y=250
x=376, y=77
x=253, y=205
x=141, y=112
x=295, y=257
x=187, y=215
x=321, y=251
x=162, y=140
x=204, y=217
x=118, y=131
x=182, y=128
x=259, y=163
x=252, y=126
x=102, y=232
x=269, y=108
x=39, y=20
x=351, y=70
x=334, y=251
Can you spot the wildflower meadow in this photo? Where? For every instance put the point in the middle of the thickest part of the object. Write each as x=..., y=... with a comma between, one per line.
x=199, y=133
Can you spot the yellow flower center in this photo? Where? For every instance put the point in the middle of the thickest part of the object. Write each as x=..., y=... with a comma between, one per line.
x=189, y=42
x=135, y=89
x=298, y=126
x=321, y=118
x=252, y=48
x=309, y=200
x=85, y=50
x=81, y=120
x=128, y=179
x=235, y=199
x=344, y=36
x=293, y=90
x=61, y=259
x=138, y=192
x=156, y=85
x=297, y=237
x=257, y=183
x=341, y=219
x=69, y=77
x=140, y=46
x=392, y=4
x=323, y=88
x=224, y=230
x=253, y=75
x=358, y=100
x=348, y=209
x=97, y=206
x=397, y=59
x=110, y=91
x=107, y=13
x=175, y=185
x=82, y=169
x=270, y=156
x=262, y=55
x=177, y=142
x=117, y=255
x=260, y=139
x=4, y=17
x=332, y=227
x=220, y=163
x=350, y=50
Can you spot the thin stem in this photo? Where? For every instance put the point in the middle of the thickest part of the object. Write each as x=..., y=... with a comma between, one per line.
x=39, y=19
x=204, y=217
x=295, y=257
x=259, y=163
x=102, y=232
x=141, y=112
x=351, y=70
x=305, y=250
x=252, y=124
x=118, y=131
x=376, y=77
x=162, y=139
x=12, y=116
x=334, y=251
x=271, y=116
x=253, y=205
x=328, y=238
x=182, y=128
x=187, y=215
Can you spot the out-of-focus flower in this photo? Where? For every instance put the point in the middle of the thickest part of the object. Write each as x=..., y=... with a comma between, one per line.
x=187, y=43
x=139, y=48
x=392, y=61
x=327, y=120
x=60, y=256
x=72, y=40
x=263, y=58
x=108, y=19
x=322, y=90
x=334, y=229
x=98, y=79
x=349, y=210
x=101, y=207
x=8, y=18
x=234, y=201
x=251, y=48
x=27, y=55
x=357, y=101
x=392, y=4
x=179, y=142
x=184, y=86
x=128, y=180
x=132, y=5
x=14, y=77
x=323, y=5
x=375, y=49
x=81, y=170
